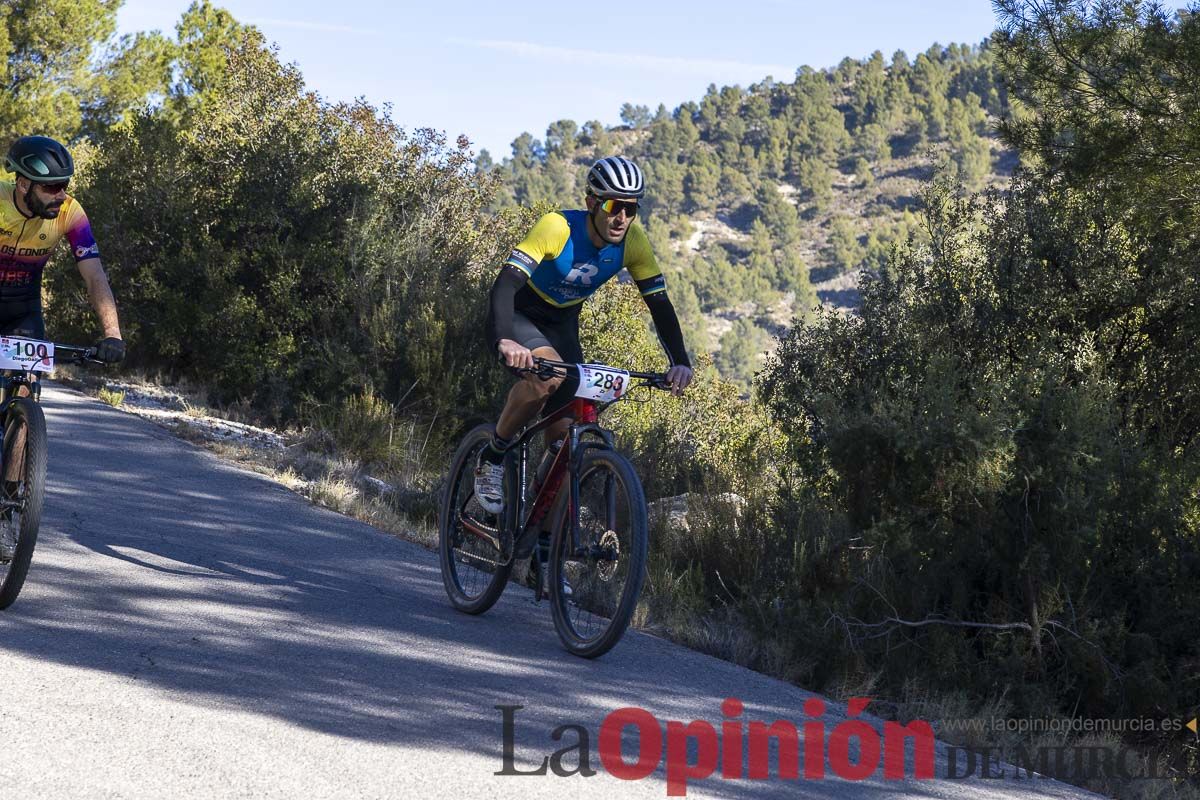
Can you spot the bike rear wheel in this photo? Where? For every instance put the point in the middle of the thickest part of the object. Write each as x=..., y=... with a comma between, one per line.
x=475, y=563
x=25, y=452
x=595, y=582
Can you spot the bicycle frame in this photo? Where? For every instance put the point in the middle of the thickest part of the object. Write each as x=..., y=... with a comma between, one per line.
x=569, y=459
x=586, y=415
x=10, y=385
x=523, y=517
x=11, y=382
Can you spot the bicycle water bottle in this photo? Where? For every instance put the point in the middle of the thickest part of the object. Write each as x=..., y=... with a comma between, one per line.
x=544, y=467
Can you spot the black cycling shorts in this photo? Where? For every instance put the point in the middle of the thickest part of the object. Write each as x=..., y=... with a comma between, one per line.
x=30, y=325
x=557, y=328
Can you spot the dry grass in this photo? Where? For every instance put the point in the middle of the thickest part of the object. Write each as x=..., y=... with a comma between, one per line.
x=334, y=493
x=112, y=397
x=198, y=412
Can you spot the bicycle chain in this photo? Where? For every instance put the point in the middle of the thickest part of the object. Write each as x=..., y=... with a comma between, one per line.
x=484, y=559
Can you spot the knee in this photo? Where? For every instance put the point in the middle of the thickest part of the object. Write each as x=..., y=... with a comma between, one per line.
x=549, y=387
x=545, y=388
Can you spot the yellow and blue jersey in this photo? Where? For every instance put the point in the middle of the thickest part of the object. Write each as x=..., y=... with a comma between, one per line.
x=565, y=268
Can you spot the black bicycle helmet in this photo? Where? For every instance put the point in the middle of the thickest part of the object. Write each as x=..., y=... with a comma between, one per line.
x=41, y=159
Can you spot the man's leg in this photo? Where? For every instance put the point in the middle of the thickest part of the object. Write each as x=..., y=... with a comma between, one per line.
x=527, y=397
x=525, y=400
x=565, y=338
x=549, y=337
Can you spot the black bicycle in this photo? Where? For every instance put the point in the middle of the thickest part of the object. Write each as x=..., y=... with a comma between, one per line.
x=23, y=452
x=597, y=529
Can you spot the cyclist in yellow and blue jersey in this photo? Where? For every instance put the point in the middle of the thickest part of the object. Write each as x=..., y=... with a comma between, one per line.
x=35, y=213
x=536, y=299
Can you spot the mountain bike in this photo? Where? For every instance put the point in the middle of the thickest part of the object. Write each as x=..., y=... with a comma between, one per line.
x=596, y=561
x=23, y=452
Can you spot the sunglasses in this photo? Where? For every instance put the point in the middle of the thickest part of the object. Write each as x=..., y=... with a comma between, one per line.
x=55, y=188
x=614, y=207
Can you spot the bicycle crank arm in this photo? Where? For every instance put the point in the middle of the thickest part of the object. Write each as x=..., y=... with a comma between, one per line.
x=476, y=529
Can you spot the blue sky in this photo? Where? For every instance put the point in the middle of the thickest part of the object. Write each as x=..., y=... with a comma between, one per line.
x=492, y=70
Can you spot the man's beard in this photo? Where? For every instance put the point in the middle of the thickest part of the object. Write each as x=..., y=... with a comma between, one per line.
x=38, y=208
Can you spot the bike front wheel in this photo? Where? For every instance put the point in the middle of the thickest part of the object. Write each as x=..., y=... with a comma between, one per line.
x=22, y=493
x=595, y=580
x=475, y=561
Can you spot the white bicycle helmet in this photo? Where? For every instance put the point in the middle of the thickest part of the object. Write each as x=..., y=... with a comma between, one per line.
x=616, y=176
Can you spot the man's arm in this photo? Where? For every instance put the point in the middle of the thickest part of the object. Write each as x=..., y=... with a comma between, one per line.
x=666, y=322
x=100, y=296
x=548, y=237
x=643, y=268
x=111, y=348
x=504, y=290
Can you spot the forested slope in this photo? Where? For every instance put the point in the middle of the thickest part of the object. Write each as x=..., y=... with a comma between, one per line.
x=765, y=200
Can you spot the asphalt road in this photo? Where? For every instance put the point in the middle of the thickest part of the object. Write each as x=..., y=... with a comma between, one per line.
x=189, y=629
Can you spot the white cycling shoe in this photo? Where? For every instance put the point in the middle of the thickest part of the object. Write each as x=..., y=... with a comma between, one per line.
x=489, y=485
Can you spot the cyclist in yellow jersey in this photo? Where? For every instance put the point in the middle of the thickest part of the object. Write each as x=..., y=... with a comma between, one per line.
x=35, y=212
x=536, y=298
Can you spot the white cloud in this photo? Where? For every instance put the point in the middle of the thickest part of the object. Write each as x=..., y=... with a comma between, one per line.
x=704, y=67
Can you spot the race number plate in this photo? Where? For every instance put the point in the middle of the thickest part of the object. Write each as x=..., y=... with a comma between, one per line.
x=601, y=384
x=26, y=354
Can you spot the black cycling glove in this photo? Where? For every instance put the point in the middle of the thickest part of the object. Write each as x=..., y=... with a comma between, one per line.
x=110, y=350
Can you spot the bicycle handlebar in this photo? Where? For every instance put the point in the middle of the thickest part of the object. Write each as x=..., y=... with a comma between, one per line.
x=74, y=351
x=546, y=367
x=76, y=354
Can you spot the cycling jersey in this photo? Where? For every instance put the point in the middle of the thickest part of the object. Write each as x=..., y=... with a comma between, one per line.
x=26, y=244
x=565, y=268
x=536, y=298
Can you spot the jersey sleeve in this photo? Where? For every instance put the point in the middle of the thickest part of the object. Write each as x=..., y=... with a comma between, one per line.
x=545, y=240
x=79, y=232
x=640, y=262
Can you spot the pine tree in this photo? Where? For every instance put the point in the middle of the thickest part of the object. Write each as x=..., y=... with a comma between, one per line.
x=561, y=137
x=844, y=249
x=702, y=180
x=816, y=177
x=897, y=94
x=931, y=81
x=63, y=73
x=689, y=134
x=868, y=93
x=594, y=135
x=636, y=117
x=872, y=142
